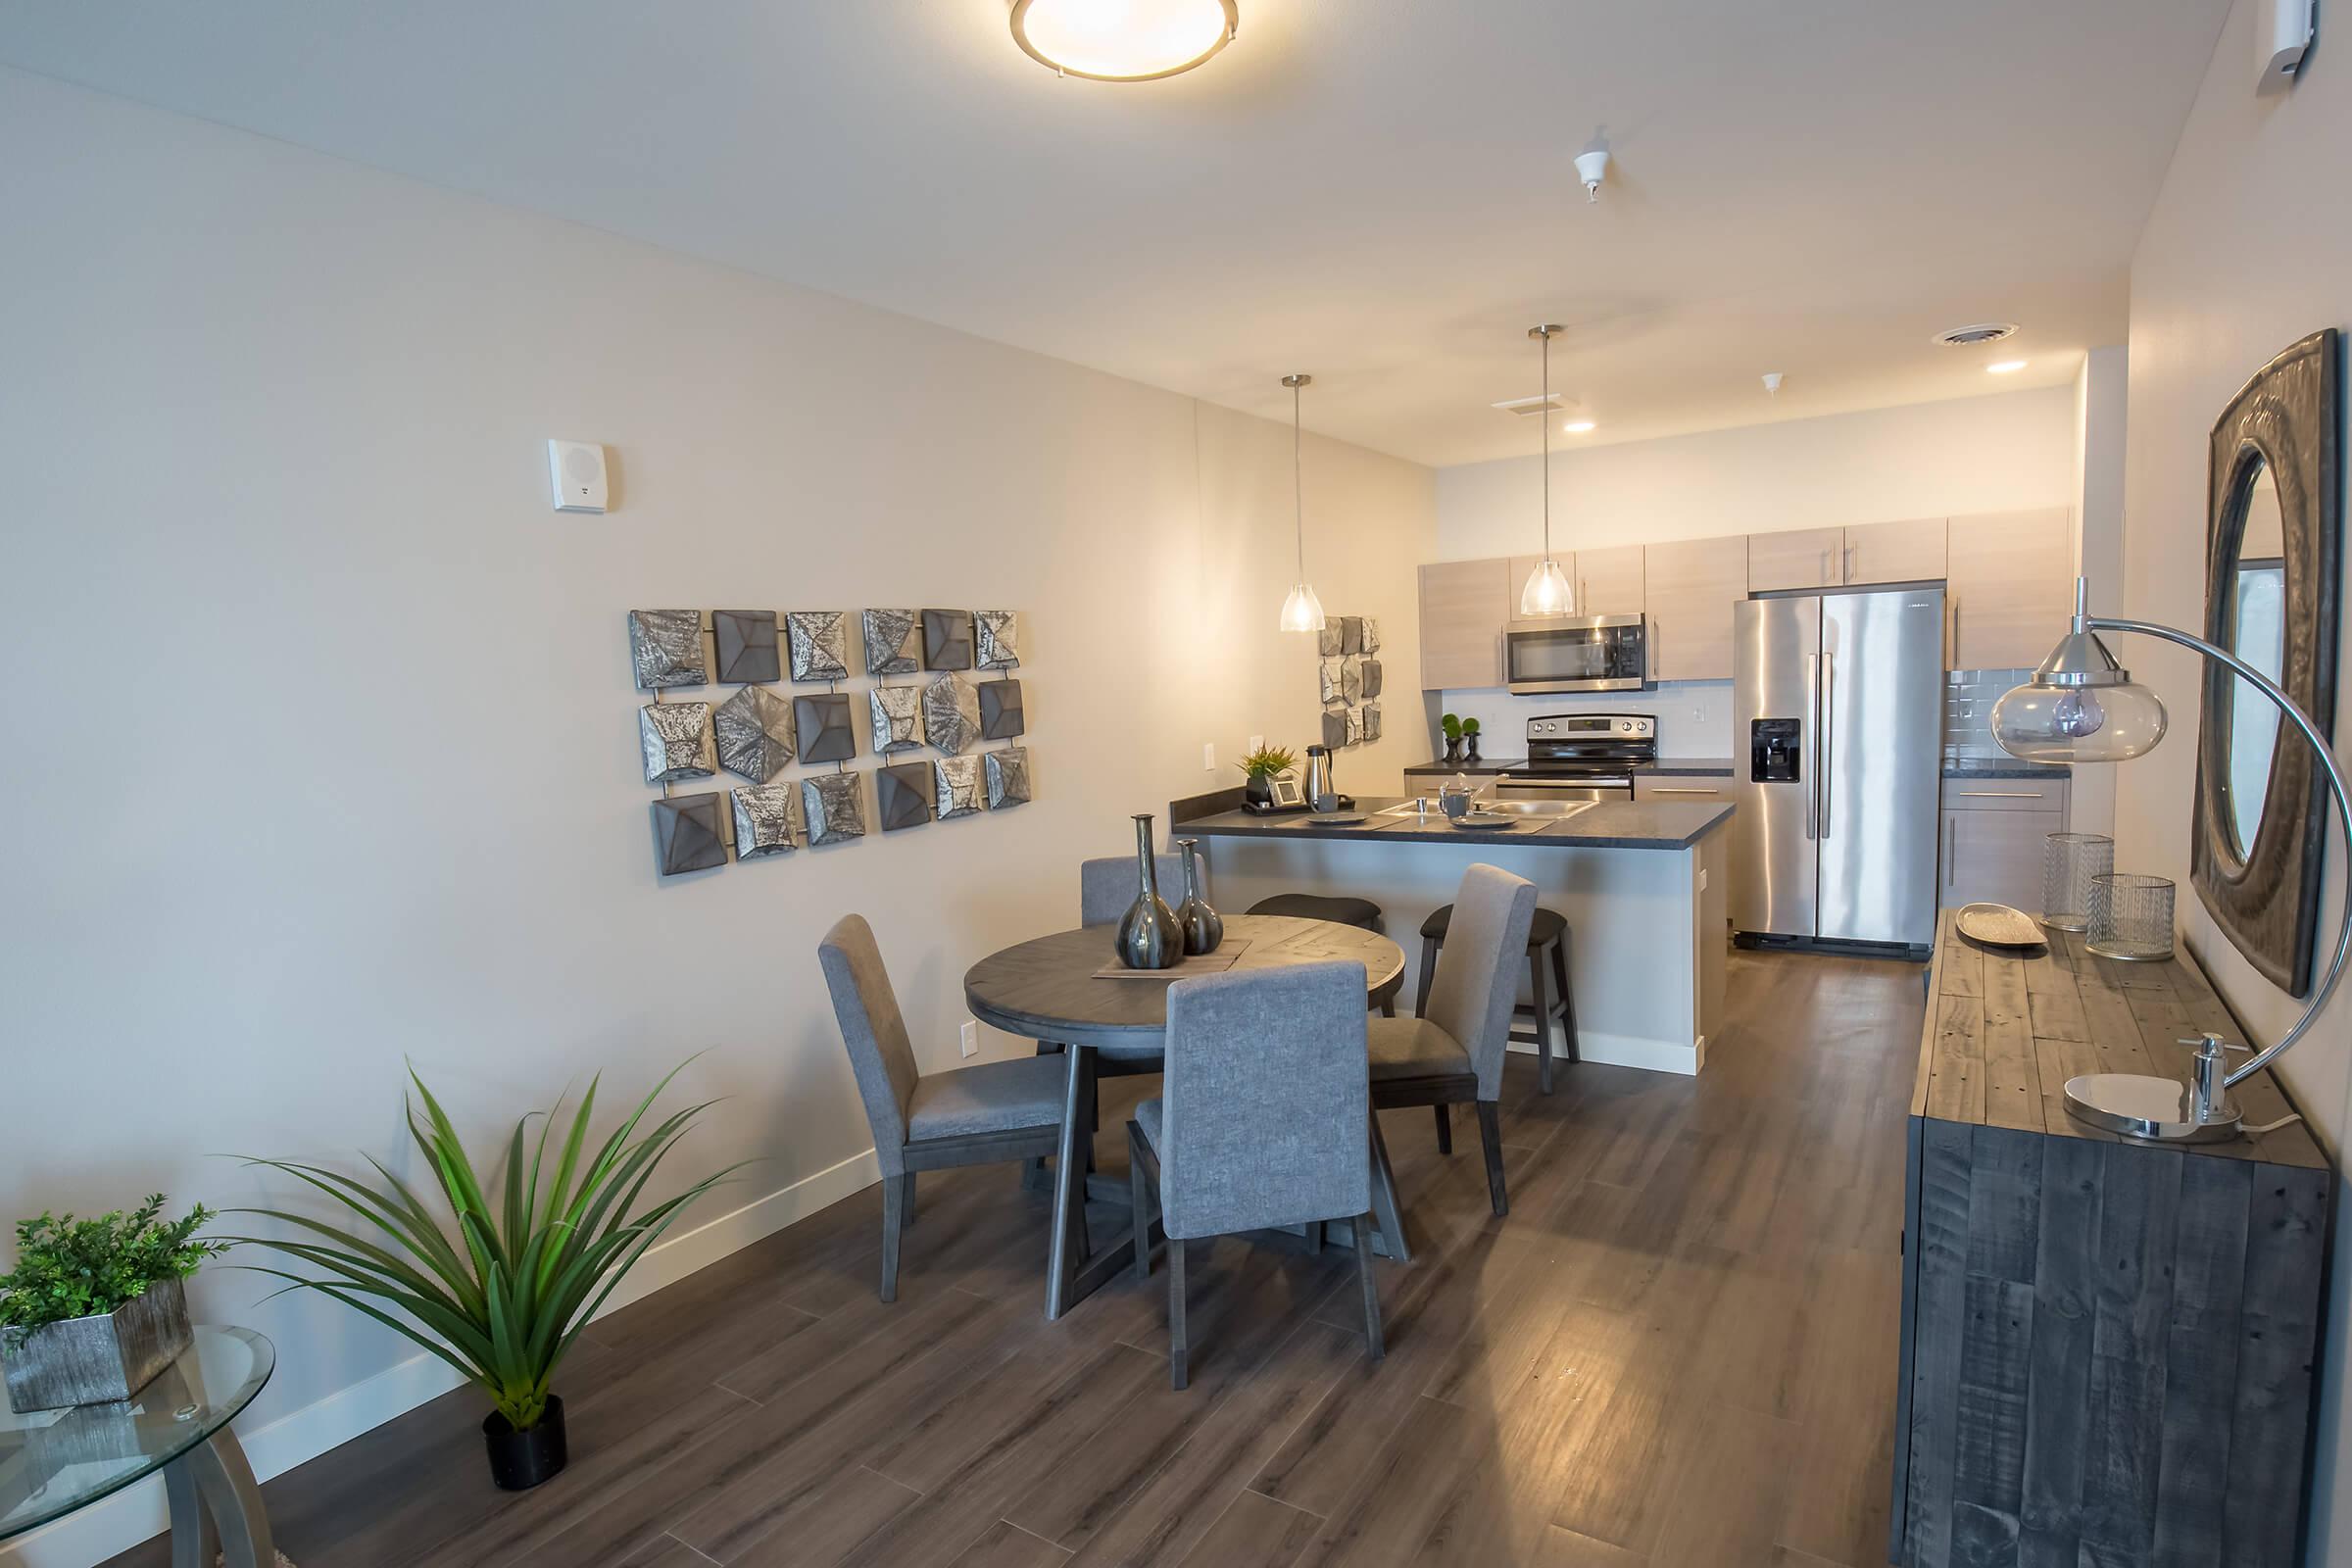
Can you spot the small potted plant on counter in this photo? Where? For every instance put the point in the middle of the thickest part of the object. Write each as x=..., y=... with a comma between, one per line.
x=95, y=1309
x=1469, y=740
x=1452, y=726
x=1264, y=766
x=504, y=1300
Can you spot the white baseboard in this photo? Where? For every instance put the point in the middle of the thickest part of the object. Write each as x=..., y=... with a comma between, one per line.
x=1632, y=1050
x=131, y=1516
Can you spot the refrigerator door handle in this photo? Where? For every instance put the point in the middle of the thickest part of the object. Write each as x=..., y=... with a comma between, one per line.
x=1824, y=701
x=1813, y=744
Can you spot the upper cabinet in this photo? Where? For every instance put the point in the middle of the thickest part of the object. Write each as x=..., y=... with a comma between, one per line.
x=1463, y=606
x=1802, y=558
x=2009, y=587
x=1608, y=582
x=1690, y=587
x=1895, y=552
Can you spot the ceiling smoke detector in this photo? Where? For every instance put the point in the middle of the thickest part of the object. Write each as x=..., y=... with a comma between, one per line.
x=1968, y=338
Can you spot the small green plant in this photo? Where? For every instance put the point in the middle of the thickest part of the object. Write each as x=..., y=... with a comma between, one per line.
x=1452, y=726
x=1469, y=726
x=68, y=1268
x=1268, y=761
x=505, y=1300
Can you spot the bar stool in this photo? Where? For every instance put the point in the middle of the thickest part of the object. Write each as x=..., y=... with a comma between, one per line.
x=1360, y=912
x=1548, y=938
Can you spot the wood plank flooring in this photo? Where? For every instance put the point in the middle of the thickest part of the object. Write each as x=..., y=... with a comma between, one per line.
x=1680, y=1348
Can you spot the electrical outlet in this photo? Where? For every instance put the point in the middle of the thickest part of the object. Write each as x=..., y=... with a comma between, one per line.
x=1208, y=756
x=971, y=1042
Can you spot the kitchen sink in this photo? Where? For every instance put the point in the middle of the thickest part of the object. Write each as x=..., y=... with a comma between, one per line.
x=1549, y=811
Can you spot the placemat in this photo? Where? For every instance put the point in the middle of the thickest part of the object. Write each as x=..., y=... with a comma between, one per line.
x=1216, y=962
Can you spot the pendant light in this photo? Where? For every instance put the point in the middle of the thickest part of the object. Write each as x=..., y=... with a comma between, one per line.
x=1546, y=592
x=1302, y=610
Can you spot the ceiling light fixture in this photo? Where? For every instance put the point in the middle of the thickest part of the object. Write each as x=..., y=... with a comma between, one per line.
x=1968, y=337
x=1123, y=41
x=1578, y=426
x=2004, y=366
x=1302, y=610
x=1546, y=592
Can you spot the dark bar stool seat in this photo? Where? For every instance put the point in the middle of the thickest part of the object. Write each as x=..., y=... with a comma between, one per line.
x=1363, y=913
x=1547, y=941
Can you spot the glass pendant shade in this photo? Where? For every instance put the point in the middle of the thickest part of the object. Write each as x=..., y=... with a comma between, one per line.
x=2080, y=706
x=1302, y=610
x=1547, y=591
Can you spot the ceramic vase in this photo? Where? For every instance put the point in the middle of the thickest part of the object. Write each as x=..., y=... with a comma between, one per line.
x=1148, y=937
x=1204, y=927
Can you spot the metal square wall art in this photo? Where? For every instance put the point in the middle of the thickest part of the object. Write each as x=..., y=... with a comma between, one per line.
x=959, y=787
x=686, y=835
x=1335, y=727
x=999, y=638
x=823, y=724
x=1326, y=638
x=1368, y=678
x=767, y=821
x=902, y=795
x=1000, y=716
x=894, y=642
x=1351, y=634
x=676, y=739
x=1332, y=679
x=747, y=644
x=1371, y=634
x=834, y=809
x=950, y=713
x=1371, y=717
x=819, y=644
x=897, y=716
x=947, y=639
x=665, y=647
x=755, y=733
x=1007, y=776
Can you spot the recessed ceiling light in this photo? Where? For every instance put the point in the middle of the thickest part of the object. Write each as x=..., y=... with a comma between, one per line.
x=1123, y=41
x=1968, y=338
x=1578, y=426
x=2004, y=366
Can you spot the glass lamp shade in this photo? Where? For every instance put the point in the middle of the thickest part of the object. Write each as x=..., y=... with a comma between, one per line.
x=1302, y=610
x=1123, y=41
x=2047, y=722
x=1546, y=592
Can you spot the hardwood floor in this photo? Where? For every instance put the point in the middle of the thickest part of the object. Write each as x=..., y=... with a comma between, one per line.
x=1680, y=1348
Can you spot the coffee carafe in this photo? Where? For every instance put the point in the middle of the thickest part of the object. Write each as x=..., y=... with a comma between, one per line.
x=1321, y=792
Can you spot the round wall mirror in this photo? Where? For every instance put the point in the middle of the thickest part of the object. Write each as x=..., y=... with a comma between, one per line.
x=2255, y=630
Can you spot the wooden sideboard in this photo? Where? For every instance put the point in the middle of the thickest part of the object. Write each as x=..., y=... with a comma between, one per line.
x=2109, y=1347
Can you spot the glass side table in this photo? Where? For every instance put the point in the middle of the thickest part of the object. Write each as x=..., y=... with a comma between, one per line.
x=53, y=1462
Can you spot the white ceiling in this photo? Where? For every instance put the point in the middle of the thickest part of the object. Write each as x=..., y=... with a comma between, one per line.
x=1377, y=191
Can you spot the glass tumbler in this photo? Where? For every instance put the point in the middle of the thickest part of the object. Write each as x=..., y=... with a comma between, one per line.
x=2069, y=860
x=2130, y=917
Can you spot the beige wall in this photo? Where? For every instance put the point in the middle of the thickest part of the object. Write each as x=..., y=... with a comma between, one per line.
x=1991, y=454
x=2247, y=250
x=324, y=737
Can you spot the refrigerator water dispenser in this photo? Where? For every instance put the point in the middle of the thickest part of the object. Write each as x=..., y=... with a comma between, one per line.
x=1772, y=751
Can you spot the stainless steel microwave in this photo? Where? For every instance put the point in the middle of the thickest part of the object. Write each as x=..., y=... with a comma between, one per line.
x=1577, y=654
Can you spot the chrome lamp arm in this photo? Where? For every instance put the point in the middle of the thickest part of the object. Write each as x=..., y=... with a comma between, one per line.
x=2341, y=793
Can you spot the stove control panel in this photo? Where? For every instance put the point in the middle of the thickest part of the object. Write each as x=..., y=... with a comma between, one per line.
x=1592, y=727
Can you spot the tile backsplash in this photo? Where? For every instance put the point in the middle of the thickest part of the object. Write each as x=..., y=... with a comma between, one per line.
x=1968, y=699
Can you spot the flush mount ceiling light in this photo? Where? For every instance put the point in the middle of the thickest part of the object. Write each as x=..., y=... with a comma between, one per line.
x=1302, y=610
x=1579, y=428
x=1123, y=41
x=2004, y=368
x=1546, y=592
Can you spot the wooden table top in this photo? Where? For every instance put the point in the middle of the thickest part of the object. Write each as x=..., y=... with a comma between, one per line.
x=2007, y=1027
x=1047, y=989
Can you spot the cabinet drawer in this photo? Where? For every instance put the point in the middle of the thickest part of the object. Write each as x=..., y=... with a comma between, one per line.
x=2004, y=795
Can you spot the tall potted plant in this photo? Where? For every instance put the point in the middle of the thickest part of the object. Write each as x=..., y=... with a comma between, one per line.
x=505, y=1298
x=94, y=1309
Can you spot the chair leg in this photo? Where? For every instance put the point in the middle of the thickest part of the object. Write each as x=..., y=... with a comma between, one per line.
x=909, y=1178
x=1138, y=1215
x=1179, y=1373
x=1489, y=1133
x=894, y=1220
x=1534, y=980
x=1560, y=971
x=1444, y=1130
x=1374, y=1345
x=1429, y=972
x=1388, y=1007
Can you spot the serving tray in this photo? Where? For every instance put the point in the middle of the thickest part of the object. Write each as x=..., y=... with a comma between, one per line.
x=1997, y=925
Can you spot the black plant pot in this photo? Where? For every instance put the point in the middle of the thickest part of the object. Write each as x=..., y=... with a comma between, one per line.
x=1454, y=751
x=520, y=1461
x=1257, y=791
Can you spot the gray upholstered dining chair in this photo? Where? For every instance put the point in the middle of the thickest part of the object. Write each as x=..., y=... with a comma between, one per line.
x=1452, y=1054
x=978, y=1116
x=1265, y=1120
x=1106, y=887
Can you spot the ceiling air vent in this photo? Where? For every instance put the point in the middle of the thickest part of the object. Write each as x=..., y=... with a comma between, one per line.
x=1968, y=338
x=1535, y=404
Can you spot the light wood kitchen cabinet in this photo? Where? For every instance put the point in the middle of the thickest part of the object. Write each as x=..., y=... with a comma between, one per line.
x=2009, y=587
x=1690, y=587
x=1911, y=550
x=1996, y=856
x=1800, y=557
x=1608, y=582
x=1463, y=606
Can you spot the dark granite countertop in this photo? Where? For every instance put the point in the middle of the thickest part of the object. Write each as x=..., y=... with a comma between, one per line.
x=1607, y=825
x=1480, y=768
x=2004, y=767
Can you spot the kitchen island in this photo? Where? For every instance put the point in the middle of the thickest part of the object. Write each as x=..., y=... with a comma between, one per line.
x=1641, y=884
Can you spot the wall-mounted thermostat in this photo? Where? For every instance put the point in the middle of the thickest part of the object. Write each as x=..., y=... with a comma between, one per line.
x=2283, y=31
x=578, y=469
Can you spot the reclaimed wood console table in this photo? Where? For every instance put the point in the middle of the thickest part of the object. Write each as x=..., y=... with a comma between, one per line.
x=2109, y=1347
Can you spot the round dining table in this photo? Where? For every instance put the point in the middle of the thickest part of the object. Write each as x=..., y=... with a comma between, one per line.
x=1055, y=990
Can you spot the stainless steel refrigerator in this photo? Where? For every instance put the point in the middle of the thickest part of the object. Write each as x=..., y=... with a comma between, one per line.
x=1837, y=714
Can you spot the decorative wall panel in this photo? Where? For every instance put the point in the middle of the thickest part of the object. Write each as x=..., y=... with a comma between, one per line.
x=894, y=643
x=755, y=733
x=819, y=644
x=999, y=638
x=959, y=787
x=1001, y=715
x=898, y=718
x=947, y=639
x=676, y=741
x=686, y=834
x=767, y=821
x=950, y=713
x=824, y=723
x=746, y=640
x=665, y=647
x=902, y=795
x=1007, y=773
x=834, y=809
